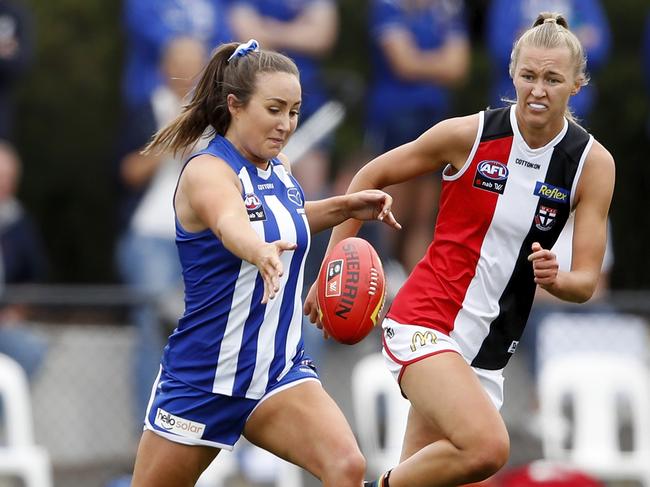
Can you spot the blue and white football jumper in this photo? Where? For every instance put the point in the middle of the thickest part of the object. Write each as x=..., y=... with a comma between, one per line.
x=227, y=341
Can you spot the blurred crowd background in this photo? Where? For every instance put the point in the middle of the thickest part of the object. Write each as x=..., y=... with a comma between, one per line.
x=89, y=283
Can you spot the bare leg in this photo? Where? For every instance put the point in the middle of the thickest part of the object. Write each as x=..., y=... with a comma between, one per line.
x=163, y=463
x=420, y=432
x=304, y=426
x=454, y=434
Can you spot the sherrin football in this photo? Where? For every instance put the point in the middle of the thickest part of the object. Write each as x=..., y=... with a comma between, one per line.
x=351, y=290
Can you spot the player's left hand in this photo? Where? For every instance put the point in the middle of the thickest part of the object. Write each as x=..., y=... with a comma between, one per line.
x=371, y=204
x=545, y=265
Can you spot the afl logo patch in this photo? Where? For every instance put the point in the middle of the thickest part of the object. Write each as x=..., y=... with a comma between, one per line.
x=254, y=207
x=491, y=176
x=294, y=196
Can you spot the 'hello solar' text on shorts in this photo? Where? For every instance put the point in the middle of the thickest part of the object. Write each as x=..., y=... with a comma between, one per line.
x=191, y=416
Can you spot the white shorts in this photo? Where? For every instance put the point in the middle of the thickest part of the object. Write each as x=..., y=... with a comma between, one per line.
x=407, y=344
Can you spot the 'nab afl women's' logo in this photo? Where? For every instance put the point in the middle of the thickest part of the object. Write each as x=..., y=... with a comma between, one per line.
x=334, y=270
x=254, y=207
x=294, y=196
x=491, y=176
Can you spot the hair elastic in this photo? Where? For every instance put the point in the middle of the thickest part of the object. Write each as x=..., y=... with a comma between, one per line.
x=243, y=49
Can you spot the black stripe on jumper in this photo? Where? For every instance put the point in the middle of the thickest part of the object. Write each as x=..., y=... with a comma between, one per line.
x=496, y=124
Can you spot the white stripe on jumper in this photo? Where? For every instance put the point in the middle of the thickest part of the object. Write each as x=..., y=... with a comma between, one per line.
x=513, y=214
x=266, y=339
x=241, y=303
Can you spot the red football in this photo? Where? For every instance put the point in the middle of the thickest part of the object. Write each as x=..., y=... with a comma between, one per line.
x=351, y=290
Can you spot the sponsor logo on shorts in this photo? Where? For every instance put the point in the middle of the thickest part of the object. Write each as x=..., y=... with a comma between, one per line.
x=545, y=218
x=294, y=196
x=254, y=207
x=178, y=425
x=551, y=193
x=390, y=333
x=513, y=346
x=333, y=287
x=491, y=176
x=419, y=339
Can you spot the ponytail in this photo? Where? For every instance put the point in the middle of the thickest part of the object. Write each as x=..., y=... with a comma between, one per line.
x=207, y=108
x=551, y=18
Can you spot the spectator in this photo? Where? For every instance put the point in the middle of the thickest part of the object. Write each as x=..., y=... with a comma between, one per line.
x=507, y=19
x=151, y=24
x=146, y=254
x=15, y=56
x=22, y=260
x=420, y=50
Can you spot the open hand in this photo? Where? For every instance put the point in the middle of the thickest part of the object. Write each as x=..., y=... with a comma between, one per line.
x=267, y=260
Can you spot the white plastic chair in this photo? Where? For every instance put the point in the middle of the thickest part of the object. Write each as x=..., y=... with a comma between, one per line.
x=20, y=457
x=562, y=334
x=596, y=384
x=371, y=381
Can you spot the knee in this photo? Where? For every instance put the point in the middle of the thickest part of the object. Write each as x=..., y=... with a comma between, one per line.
x=345, y=468
x=487, y=458
x=353, y=465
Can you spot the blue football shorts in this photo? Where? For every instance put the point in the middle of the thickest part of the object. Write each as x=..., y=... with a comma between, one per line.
x=191, y=416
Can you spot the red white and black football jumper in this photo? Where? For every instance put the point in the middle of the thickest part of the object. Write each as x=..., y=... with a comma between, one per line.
x=475, y=283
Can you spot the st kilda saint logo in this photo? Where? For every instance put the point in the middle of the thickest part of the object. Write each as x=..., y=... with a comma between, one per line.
x=545, y=218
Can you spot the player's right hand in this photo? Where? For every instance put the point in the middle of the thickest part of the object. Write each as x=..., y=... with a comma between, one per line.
x=267, y=260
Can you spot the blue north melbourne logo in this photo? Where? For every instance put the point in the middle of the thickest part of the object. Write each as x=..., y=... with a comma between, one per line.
x=491, y=176
x=294, y=196
x=551, y=193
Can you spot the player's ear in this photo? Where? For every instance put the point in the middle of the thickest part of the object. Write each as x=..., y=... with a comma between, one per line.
x=234, y=105
x=576, y=86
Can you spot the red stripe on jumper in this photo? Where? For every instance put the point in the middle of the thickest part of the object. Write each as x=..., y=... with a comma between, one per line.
x=434, y=293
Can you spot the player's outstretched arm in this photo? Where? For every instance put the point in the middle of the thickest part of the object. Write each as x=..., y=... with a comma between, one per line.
x=210, y=197
x=370, y=204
